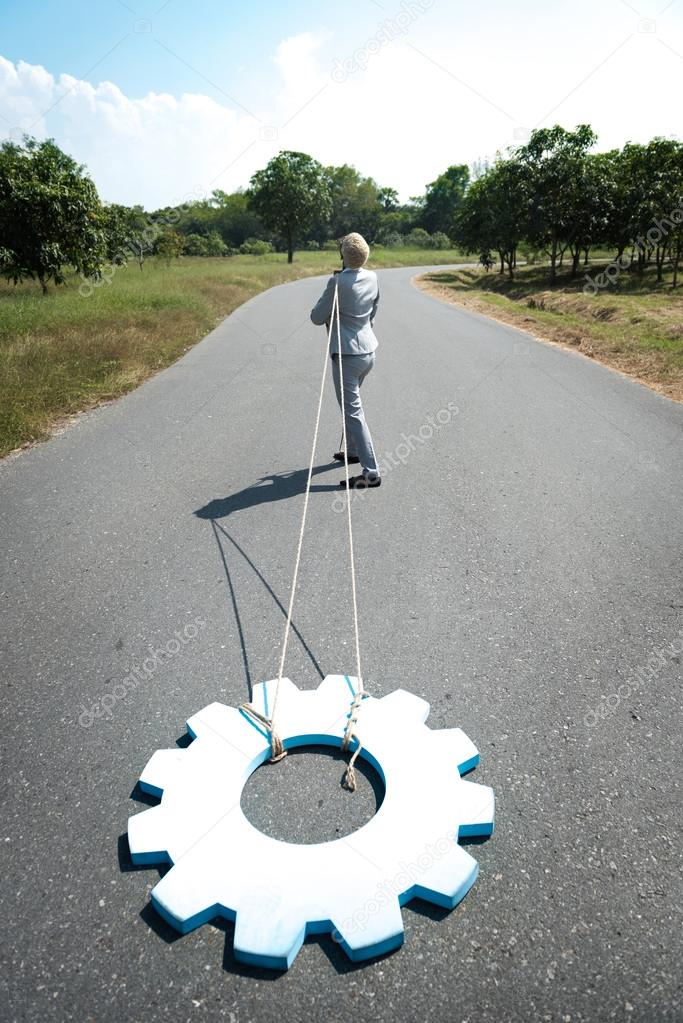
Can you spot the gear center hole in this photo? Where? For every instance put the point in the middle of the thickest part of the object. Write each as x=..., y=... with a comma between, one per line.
x=301, y=799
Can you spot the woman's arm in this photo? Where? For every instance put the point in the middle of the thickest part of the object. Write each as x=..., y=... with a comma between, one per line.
x=322, y=310
x=374, y=308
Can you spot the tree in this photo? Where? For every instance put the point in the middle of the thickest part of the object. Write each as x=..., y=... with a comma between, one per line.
x=142, y=233
x=474, y=227
x=554, y=163
x=50, y=214
x=233, y=219
x=654, y=175
x=442, y=199
x=388, y=199
x=642, y=193
x=169, y=245
x=288, y=194
x=116, y=224
x=356, y=204
x=587, y=205
x=400, y=221
x=493, y=216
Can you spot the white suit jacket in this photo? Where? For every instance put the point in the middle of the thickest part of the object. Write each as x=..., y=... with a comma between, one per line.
x=358, y=299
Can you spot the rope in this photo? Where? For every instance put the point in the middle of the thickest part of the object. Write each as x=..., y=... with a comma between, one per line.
x=349, y=779
x=278, y=751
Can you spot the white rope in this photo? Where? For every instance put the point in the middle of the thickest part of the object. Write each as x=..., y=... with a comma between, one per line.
x=349, y=780
x=277, y=749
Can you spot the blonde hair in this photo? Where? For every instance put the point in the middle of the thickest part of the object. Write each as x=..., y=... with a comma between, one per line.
x=355, y=250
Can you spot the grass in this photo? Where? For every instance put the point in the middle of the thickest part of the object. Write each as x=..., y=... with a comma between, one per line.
x=635, y=326
x=65, y=352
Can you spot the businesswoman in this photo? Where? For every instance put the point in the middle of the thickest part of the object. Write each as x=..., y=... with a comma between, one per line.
x=358, y=299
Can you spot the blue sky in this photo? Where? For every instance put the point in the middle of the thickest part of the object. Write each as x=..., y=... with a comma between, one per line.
x=161, y=99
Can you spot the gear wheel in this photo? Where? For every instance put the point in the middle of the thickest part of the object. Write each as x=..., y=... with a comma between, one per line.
x=278, y=892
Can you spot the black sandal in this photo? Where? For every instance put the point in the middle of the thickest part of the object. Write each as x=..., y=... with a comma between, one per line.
x=339, y=457
x=362, y=482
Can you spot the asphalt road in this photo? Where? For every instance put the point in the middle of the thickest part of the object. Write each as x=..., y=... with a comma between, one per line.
x=521, y=562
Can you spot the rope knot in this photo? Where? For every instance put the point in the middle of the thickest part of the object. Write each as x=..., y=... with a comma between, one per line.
x=277, y=750
x=349, y=779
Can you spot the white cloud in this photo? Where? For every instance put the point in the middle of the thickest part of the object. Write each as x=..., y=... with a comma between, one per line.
x=299, y=69
x=154, y=150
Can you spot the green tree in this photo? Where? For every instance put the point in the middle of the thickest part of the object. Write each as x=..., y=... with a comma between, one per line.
x=356, y=204
x=493, y=216
x=388, y=199
x=474, y=227
x=169, y=245
x=116, y=225
x=642, y=192
x=653, y=189
x=554, y=161
x=142, y=233
x=50, y=214
x=442, y=199
x=289, y=194
x=400, y=221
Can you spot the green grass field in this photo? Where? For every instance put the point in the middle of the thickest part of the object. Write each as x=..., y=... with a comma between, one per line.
x=66, y=352
x=635, y=327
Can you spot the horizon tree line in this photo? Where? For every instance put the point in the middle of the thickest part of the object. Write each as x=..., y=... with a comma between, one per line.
x=554, y=196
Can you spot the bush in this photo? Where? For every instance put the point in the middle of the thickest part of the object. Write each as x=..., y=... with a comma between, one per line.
x=419, y=238
x=331, y=245
x=312, y=246
x=215, y=246
x=210, y=244
x=441, y=241
x=392, y=239
x=195, y=245
x=255, y=247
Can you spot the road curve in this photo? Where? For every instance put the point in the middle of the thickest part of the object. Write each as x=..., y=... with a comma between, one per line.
x=520, y=568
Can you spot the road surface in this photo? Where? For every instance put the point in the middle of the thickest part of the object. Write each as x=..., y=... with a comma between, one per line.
x=520, y=568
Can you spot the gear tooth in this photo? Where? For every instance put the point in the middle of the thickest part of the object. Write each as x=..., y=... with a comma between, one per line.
x=147, y=836
x=263, y=694
x=371, y=929
x=447, y=879
x=184, y=897
x=268, y=932
x=339, y=688
x=206, y=718
x=476, y=806
x=456, y=746
x=161, y=770
x=231, y=726
x=405, y=705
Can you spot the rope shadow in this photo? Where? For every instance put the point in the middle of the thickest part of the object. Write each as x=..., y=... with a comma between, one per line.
x=218, y=529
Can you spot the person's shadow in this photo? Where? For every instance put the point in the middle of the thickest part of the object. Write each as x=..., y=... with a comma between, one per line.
x=277, y=487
